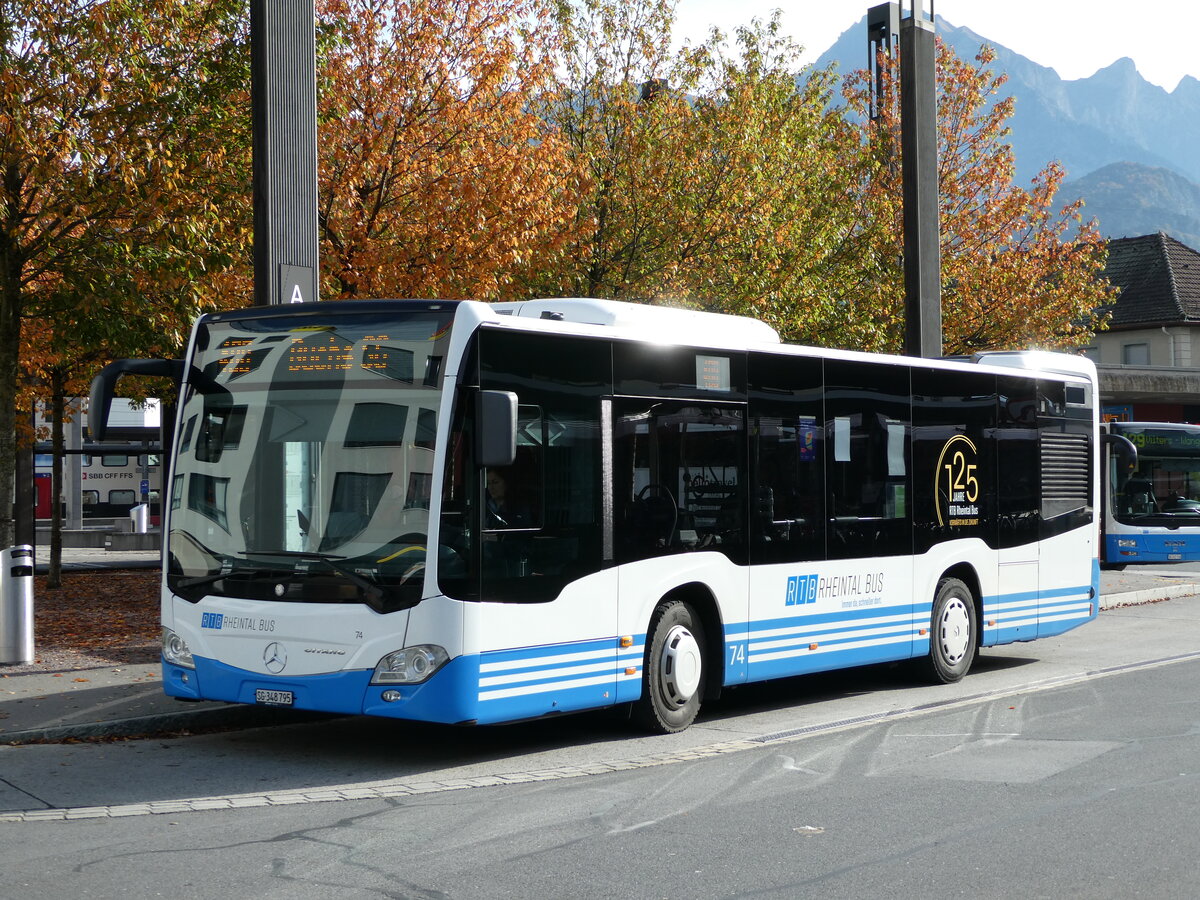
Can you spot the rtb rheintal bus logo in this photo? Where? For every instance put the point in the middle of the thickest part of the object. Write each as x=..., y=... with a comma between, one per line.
x=801, y=589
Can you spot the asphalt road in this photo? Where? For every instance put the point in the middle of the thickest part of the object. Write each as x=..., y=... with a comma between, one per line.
x=1085, y=790
x=1061, y=768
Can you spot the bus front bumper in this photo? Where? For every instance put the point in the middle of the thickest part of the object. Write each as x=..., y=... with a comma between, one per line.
x=1150, y=548
x=448, y=697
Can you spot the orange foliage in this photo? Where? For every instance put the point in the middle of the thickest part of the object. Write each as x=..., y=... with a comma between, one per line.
x=437, y=176
x=119, y=126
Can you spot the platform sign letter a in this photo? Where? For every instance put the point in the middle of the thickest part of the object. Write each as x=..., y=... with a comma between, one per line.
x=297, y=284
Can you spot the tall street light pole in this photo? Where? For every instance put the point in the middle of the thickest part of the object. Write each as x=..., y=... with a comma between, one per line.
x=283, y=96
x=908, y=26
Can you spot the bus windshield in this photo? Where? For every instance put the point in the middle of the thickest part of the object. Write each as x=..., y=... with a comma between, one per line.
x=1165, y=487
x=304, y=457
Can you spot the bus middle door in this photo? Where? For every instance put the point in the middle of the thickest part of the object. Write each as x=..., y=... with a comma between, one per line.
x=677, y=528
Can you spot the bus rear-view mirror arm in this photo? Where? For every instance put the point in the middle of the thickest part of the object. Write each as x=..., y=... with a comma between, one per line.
x=1124, y=449
x=103, y=385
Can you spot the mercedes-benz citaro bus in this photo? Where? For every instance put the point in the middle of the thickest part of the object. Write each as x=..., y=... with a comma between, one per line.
x=469, y=513
x=1151, y=512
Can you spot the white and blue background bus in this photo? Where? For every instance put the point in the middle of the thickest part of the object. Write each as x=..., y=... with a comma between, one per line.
x=1152, y=513
x=689, y=505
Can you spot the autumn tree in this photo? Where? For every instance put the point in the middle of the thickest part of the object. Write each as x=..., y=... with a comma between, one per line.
x=713, y=173
x=617, y=110
x=437, y=176
x=118, y=120
x=772, y=172
x=1017, y=271
x=113, y=302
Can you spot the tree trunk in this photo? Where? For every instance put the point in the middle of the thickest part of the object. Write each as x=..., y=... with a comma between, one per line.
x=10, y=351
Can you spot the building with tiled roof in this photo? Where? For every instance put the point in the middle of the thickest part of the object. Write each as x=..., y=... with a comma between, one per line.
x=1149, y=357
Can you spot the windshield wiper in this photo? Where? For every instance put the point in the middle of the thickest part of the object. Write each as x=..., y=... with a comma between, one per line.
x=372, y=590
x=248, y=574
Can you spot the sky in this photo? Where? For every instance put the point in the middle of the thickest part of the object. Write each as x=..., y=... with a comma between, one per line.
x=1074, y=37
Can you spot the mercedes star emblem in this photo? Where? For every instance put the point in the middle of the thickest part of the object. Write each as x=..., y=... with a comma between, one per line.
x=275, y=657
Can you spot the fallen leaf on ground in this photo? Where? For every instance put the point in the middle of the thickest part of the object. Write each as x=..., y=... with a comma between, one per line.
x=108, y=617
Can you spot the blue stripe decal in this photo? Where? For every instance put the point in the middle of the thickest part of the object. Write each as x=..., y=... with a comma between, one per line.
x=523, y=654
x=536, y=681
x=1035, y=597
x=841, y=617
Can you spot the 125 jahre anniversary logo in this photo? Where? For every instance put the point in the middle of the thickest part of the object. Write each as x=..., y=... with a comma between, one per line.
x=956, y=482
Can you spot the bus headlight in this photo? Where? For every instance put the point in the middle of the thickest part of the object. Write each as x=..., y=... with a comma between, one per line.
x=175, y=650
x=412, y=665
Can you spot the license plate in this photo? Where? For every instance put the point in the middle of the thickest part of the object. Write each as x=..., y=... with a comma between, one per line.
x=274, y=698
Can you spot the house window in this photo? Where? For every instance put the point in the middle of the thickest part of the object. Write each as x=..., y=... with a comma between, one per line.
x=1135, y=354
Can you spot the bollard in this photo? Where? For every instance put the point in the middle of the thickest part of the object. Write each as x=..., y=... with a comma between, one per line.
x=140, y=516
x=16, y=605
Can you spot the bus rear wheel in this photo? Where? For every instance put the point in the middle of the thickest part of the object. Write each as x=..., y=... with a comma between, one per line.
x=674, y=671
x=952, y=633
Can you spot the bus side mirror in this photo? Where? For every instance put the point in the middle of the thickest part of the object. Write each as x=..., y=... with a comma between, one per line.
x=1124, y=450
x=496, y=428
x=103, y=385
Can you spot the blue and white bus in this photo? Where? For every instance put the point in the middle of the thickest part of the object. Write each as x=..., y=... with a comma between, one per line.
x=688, y=505
x=1152, y=509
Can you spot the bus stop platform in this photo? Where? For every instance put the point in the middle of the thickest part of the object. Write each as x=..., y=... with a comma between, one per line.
x=94, y=558
x=118, y=702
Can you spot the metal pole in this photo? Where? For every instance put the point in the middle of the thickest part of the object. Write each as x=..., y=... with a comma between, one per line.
x=283, y=96
x=73, y=470
x=918, y=160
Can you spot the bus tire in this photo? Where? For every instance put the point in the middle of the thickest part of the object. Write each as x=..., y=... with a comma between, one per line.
x=674, y=670
x=953, y=632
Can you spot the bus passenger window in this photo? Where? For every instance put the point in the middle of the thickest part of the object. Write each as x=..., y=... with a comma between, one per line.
x=868, y=409
x=680, y=468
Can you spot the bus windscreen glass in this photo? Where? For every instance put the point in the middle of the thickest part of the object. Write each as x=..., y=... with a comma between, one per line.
x=1165, y=486
x=306, y=467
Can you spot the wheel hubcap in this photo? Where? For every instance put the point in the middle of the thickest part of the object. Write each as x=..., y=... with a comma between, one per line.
x=680, y=666
x=955, y=631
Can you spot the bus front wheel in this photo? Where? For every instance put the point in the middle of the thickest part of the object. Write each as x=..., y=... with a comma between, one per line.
x=952, y=633
x=673, y=674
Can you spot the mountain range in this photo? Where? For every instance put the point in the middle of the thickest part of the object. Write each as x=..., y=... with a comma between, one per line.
x=1130, y=148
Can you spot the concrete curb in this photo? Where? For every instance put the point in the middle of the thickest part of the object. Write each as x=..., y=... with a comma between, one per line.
x=1150, y=595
